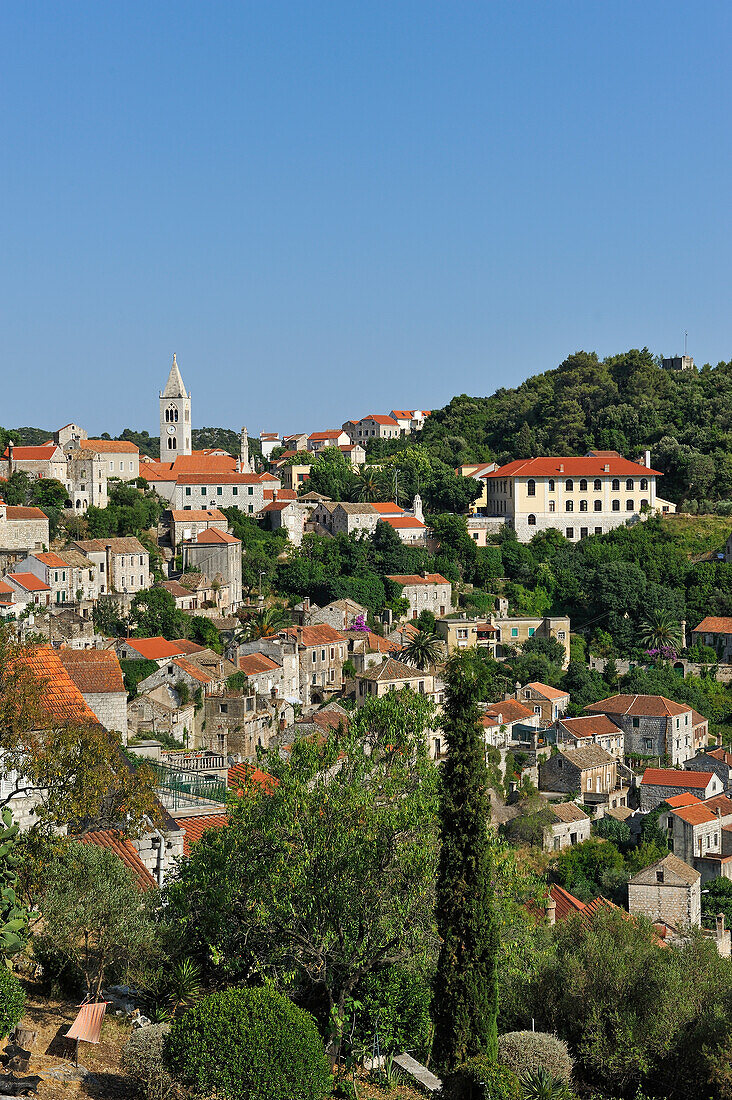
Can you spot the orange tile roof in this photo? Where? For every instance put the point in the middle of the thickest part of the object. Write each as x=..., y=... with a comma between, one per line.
x=154, y=649
x=241, y=775
x=388, y=507
x=403, y=522
x=720, y=802
x=572, y=467
x=720, y=754
x=157, y=471
x=509, y=710
x=695, y=815
x=51, y=559
x=196, y=673
x=30, y=582
x=671, y=777
x=378, y=418
x=253, y=663
x=44, y=451
x=109, y=446
x=402, y=414
x=714, y=624
x=650, y=706
x=212, y=535
x=677, y=800
x=415, y=578
x=94, y=671
x=19, y=511
x=61, y=699
x=591, y=726
x=204, y=464
x=321, y=634
x=185, y=645
x=125, y=849
x=547, y=691
x=333, y=434
x=195, y=827
x=219, y=477
x=197, y=514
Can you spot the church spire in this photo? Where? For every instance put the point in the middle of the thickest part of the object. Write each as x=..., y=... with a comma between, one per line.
x=174, y=386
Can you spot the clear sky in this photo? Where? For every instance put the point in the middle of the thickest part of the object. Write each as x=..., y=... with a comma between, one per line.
x=331, y=209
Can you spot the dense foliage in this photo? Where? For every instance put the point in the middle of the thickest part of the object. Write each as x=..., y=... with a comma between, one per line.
x=12, y=1001
x=249, y=1044
x=526, y=1051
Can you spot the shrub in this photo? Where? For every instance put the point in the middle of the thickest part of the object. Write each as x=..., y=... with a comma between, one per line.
x=540, y=1085
x=527, y=1051
x=142, y=1059
x=479, y=1079
x=12, y=1001
x=249, y=1044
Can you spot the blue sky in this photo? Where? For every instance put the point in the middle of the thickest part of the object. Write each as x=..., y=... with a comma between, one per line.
x=331, y=209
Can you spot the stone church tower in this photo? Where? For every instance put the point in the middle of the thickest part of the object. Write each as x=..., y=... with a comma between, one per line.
x=175, y=417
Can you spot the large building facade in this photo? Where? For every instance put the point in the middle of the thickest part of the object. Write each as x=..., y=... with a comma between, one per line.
x=576, y=496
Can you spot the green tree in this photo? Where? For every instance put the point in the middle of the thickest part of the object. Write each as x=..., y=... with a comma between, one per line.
x=154, y=613
x=465, y=1005
x=661, y=632
x=95, y=915
x=325, y=875
x=14, y=916
x=265, y=623
x=591, y=868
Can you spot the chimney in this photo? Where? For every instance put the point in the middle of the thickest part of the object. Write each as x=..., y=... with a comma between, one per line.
x=606, y=468
x=720, y=925
x=306, y=603
x=647, y=459
x=551, y=911
x=10, y=456
x=561, y=467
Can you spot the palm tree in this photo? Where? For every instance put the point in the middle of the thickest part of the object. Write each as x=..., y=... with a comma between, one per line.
x=422, y=650
x=661, y=631
x=264, y=624
x=370, y=485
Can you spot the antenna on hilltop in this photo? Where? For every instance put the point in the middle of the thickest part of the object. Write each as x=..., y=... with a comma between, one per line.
x=685, y=336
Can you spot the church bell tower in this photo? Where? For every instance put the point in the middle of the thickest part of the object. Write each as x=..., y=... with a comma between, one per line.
x=175, y=417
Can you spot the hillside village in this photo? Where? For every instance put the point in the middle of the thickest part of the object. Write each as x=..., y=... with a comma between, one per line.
x=225, y=632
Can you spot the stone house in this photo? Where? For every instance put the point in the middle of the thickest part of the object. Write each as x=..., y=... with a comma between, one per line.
x=658, y=784
x=290, y=514
x=22, y=531
x=713, y=760
x=120, y=457
x=373, y=426
x=343, y=518
x=47, y=460
x=157, y=649
x=340, y=614
x=393, y=675
x=410, y=420
x=696, y=831
x=239, y=724
x=217, y=555
x=221, y=490
x=185, y=600
x=366, y=649
x=549, y=703
x=588, y=771
x=715, y=631
x=83, y=576
x=294, y=476
x=501, y=633
x=317, y=442
x=595, y=729
x=185, y=525
x=354, y=453
x=570, y=826
x=98, y=676
x=53, y=571
x=424, y=592
x=201, y=674
x=498, y=721
x=123, y=564
x=667, y=892
x=322, y=651
x=269, y=441
x=29, y=589
x=161, y=711
x=655, y=726
x=412, y=530
x=284, y=653
x=86, y=480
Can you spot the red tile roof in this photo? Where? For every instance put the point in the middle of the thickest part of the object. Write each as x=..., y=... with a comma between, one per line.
x=154, y=649
x=213, y=535
x=253, y=663
x=19, y=511
x=321, y=634
x=714, y=624
x=192, y=670
x=197, y=514
x=94, y=671
x=242, y=775
x=650, y=706
x=125, y=849
x=185, y=645
x=403, y=522
x=695, y=815
x=218, y=478
x=29, y=581
x=378, y=418
x=333, y=434
x=61, y=700
x=109, y=446
x=547, y=691
x=592, y=726
x=721, y=802
x=508, y=711
x=572, y=467
x=671, y=777
x=51, y=559
x=416, y=578
x=30, y=453
x=195, y=827
x=387, y=507
x=677, y=800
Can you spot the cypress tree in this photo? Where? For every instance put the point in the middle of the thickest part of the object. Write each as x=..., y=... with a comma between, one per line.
x=465, y=992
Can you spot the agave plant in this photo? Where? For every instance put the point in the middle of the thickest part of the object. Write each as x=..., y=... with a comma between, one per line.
x=184, y=985
x=539, y=1084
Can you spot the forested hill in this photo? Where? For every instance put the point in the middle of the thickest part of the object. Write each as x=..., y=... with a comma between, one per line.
x=624, y=403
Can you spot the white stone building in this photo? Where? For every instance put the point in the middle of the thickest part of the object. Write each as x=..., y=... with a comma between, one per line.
x=175, y=416
x=123, y=564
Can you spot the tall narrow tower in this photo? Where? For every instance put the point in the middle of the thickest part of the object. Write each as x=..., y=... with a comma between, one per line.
x=175, y=417
x=244, y=464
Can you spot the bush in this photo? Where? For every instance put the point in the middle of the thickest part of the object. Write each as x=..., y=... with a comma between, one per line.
x=479, y=1079
x=142, y=1059
x=249, y=1044
x=540, y=1085
x=527, y=1051
x=12, y=1001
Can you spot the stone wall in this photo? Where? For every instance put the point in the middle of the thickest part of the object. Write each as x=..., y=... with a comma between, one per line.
x=110, y=708
x=23, y=535
x=678, y=905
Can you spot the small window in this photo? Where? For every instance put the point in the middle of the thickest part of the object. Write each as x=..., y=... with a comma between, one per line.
x=235, y=491
x=597, y=485
x=531, y=520
x=569, y=506
x=250, y=491
x=551, y=484
x=636, y=723
x=223, y=708
x=552, y=506
x=219, y=491
x=629, y=506
x=569, y=485
x=659, y=876
x=514, y=632
x=644, y=503
x=531, y=487
x=188, y=490
x=644, y=484
x=597, y=505
x=616, y=484
x=583, y=506
x=569, y=532
x=204, y=490
x=583, y=532
x=616, y=506
x=629, y=484
x=598, y=530
x=583, y=485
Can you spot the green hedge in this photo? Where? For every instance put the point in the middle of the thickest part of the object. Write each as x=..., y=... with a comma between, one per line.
x=249, y=1044
x=12, y=1001
x=479, y=1079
